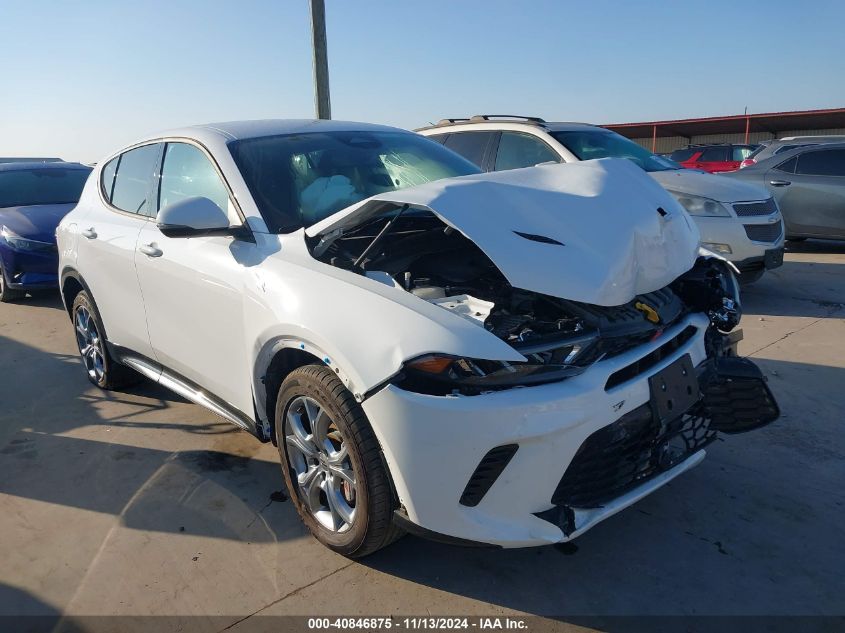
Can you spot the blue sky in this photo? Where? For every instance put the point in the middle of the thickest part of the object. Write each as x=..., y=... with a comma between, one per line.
x=80, y=79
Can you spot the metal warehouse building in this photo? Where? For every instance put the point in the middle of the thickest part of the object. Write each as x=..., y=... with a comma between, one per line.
x=667, y=136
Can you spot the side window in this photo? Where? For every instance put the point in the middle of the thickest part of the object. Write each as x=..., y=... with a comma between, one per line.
x=829, y=162
x=133, y=182
x=714, y=155
x=470, y=145
x=788, y=166
x=186, y=173
x=681, y=155
x=518, y=150
x=107, y=177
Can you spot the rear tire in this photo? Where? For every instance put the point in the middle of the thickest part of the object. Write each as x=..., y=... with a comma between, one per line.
x=332, y=464
x=101, y=368
x=8, y=294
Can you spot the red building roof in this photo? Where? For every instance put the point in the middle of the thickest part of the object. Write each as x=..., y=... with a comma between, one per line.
x=772, y=122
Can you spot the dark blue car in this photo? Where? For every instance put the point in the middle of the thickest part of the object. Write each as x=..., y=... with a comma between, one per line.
x=34, y=197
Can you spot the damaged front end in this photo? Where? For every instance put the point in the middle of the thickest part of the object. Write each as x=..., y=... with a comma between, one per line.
x=558, y=338
x=548, y=281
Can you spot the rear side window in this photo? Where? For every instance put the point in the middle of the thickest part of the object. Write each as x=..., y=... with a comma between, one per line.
x=742, y=152
x=681, y=155
x=829, y=162
x=470, y=145
x=107, y=177
x=518, y=150
x=715, y=154
x=133, y=182
x=186, y=173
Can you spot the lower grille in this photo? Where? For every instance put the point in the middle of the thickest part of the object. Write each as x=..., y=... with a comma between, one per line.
x=763, y=232
x=736, y=398
x=747, y=209
x=623, y=455
x=486, y=473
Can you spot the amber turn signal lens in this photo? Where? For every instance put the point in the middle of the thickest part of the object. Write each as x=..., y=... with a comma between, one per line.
x=431, y=364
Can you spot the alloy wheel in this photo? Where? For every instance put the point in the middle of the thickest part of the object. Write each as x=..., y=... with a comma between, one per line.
x=320, y=460
x=90, y=344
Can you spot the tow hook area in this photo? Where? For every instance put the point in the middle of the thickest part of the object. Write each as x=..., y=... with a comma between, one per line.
x=736, y=397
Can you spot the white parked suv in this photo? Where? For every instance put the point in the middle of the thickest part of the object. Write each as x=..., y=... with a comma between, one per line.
x=741, y=223
x=503, y=359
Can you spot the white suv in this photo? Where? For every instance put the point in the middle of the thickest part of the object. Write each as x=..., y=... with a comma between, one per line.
x=496, y=358
x=741, y=223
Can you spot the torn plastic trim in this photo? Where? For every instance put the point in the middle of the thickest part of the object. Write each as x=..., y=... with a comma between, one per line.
x=575, y=521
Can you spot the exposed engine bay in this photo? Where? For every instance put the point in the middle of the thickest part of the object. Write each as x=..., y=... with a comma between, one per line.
x=416, y=251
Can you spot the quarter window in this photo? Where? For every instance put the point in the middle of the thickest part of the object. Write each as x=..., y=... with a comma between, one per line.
x=788, y=166
x=830, y=162
x=470, y=145
x=133, y=182
x=107, y=177
x=440, y=138
x=518, y=150
x=187, y=173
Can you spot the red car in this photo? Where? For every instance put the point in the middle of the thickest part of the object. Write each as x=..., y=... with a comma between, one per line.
x=713, y=158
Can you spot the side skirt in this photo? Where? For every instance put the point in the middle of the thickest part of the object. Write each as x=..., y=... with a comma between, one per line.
x=184, y=387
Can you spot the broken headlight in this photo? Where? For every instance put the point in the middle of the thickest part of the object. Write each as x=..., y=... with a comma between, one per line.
x=441, y=374
x=711, y=287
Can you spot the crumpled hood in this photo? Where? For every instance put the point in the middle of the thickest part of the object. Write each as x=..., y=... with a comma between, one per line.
x=711, y=186
x=35, y=222
x=588, y=231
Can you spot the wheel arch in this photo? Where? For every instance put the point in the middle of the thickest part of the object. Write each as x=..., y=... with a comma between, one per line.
x=276, y=360
x=71, y=284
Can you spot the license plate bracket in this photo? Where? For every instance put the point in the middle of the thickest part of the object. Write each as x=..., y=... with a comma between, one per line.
x=674, y=389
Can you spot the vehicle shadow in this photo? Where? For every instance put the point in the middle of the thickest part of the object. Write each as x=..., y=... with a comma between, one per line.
x=44, y=299
x=756, y=529
x=151, y=485
x=832, y=247
x=798, y=288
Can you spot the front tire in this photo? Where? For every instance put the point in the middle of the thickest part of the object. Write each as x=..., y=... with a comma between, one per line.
x=101, y=368
x=332, y=464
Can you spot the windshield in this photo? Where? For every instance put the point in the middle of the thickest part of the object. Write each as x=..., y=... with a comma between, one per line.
x=26, y=187
x=299, y=179
x=590, y=144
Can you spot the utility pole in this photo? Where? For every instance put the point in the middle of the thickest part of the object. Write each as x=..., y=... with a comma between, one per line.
x=322, y=101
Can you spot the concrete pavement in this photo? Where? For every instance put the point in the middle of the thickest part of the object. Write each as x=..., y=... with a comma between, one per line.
x=141, y=503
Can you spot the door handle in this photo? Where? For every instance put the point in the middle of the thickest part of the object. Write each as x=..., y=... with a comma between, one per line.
x=779, y=183
x=91, y=234
x=151, y=250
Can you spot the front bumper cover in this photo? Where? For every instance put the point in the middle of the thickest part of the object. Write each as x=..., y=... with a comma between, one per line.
x=29, y=271
x=772, y=258
x=433, y=445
